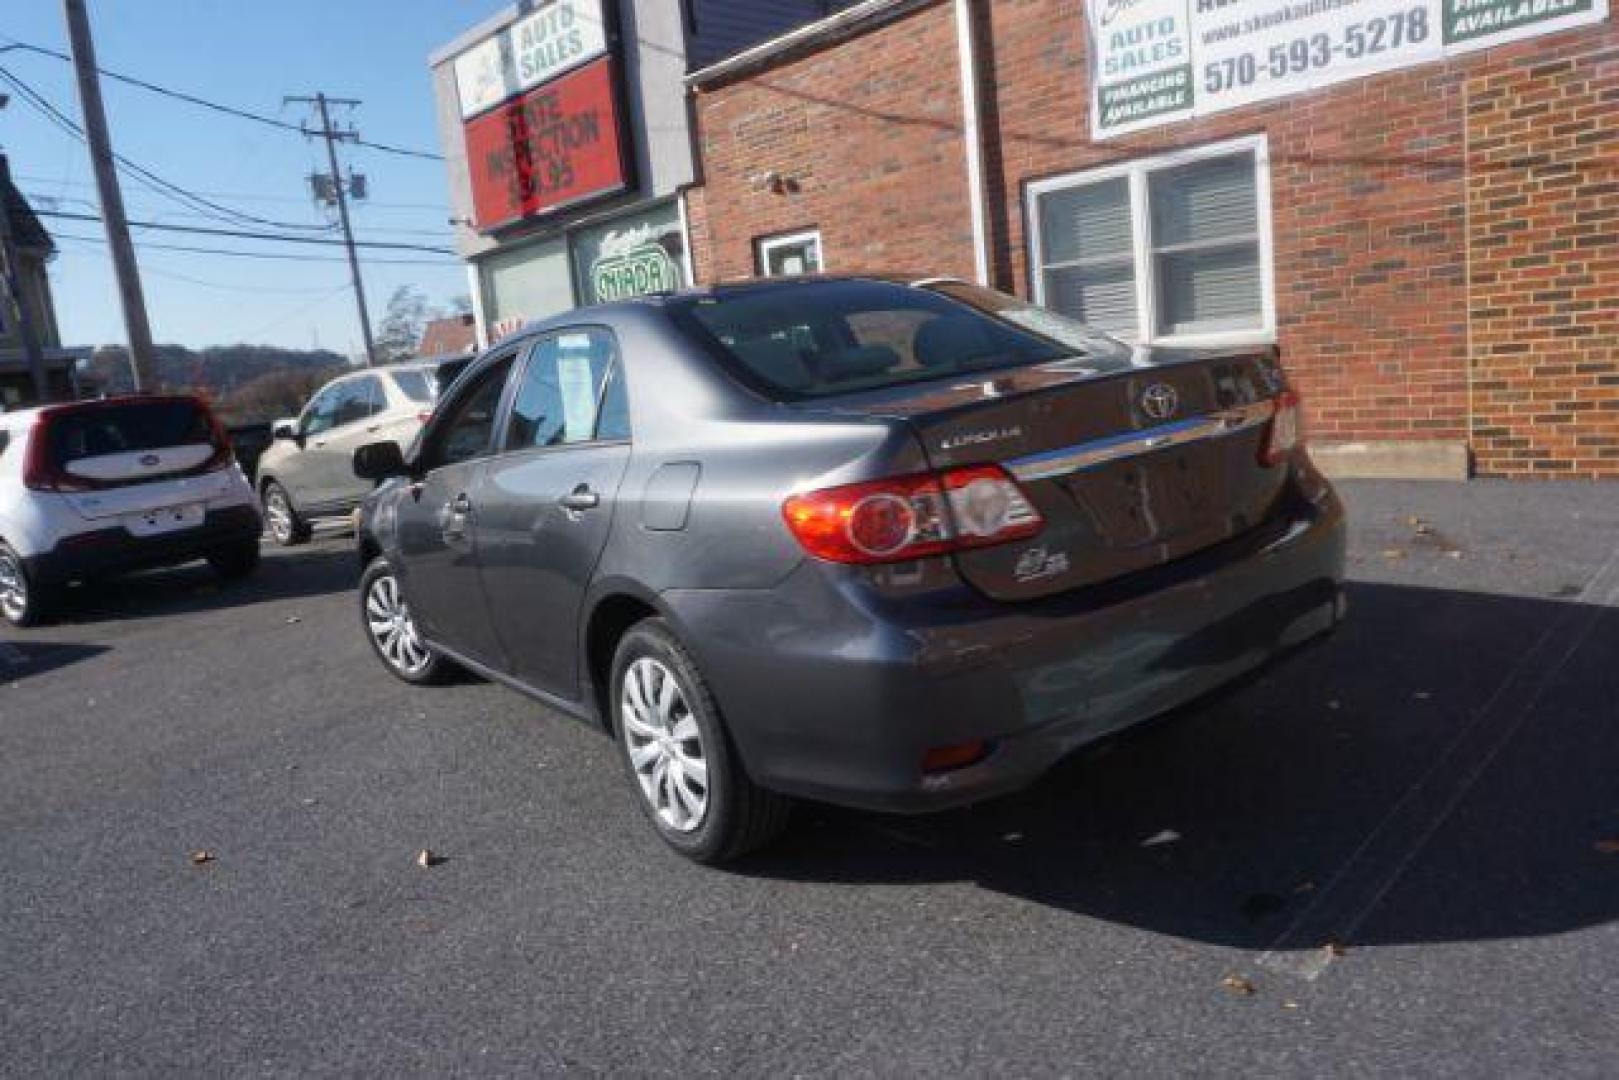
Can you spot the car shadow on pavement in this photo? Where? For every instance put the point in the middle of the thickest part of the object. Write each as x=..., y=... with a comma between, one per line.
x=1443, y=769
x=22, y=659
x=312, y=571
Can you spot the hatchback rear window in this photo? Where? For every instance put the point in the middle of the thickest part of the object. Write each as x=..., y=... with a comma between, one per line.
x=815, y=338
x=416, y=385
x=100, y=430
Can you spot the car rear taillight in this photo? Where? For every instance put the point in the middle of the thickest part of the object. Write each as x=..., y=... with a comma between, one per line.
x=40, y=472
x=424, y=416
x=909, y=517
x=1285, y=432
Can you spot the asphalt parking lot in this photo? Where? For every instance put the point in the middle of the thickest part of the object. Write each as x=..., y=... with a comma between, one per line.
x=1397, y=851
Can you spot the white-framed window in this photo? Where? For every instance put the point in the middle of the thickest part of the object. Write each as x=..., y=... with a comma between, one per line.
x=794, y=253
x=1170, y=249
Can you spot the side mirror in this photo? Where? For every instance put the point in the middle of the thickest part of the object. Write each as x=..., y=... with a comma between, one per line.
x=380, y=461
x=284, y=429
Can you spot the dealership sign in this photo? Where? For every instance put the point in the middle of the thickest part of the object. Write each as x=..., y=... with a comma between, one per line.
x=550, y=148
x=555, y=38
x=1155, y=61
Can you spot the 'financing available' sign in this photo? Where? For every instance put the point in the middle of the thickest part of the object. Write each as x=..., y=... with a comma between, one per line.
x=1156, y=61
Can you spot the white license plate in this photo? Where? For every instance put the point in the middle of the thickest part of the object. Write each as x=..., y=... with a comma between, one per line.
x=169, y=519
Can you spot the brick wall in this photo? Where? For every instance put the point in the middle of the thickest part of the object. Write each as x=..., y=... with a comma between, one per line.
x=1543, y=212
x=866, y=137
x=1399, y=244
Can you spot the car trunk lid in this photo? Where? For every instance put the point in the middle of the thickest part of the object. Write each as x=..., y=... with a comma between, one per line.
x=1130, y=468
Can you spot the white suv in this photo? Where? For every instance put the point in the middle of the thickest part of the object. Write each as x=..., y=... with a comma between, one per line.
x=95, y=488
x=308, y=471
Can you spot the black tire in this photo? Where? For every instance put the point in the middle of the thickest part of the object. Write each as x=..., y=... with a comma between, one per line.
x=738, y=816
x=23, y=601
x=236, y=560
x=282, y=521
x=377, y=585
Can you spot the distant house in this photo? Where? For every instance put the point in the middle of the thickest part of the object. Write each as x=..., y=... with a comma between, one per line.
x=34, y=249
x=449, y=336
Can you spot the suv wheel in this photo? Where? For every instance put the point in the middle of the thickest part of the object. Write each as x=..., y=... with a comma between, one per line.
x=391, y=630
x=286, y=527
x=22, y=602
x=691, y=783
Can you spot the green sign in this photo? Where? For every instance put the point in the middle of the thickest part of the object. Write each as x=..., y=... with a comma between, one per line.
x=1146, y=96
x=1467, y=20
x=644, y=270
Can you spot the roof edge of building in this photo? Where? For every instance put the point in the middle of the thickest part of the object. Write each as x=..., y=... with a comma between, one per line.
x=807, y=38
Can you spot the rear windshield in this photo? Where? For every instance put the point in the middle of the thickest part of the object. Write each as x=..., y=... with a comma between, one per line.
x=416, y=385
x=815, y=338
x=427, y=385
x=124, y=429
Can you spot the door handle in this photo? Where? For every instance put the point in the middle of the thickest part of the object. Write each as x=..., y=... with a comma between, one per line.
x=319, y=443
x=580, y=498
x=373, y=429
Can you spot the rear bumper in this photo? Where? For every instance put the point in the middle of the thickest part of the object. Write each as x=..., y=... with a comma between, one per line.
x=835, y=692
x=105, y=552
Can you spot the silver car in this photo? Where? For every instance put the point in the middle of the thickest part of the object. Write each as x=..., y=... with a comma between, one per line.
x=306, y=473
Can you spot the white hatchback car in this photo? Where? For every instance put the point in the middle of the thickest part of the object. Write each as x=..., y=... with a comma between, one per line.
x=95, y=488
x=307, y=473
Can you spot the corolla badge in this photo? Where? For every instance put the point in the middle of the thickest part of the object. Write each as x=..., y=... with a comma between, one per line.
x=1159, y=401
x=975, y=438
x=151, y=461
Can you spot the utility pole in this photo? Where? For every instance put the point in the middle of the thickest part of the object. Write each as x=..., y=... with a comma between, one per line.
x=11, y=267
x=333, y=137
x=124, y=267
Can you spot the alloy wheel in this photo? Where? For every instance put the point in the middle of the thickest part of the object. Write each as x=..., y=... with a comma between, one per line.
x=392, y=629
x=665, y=744
x=278, y=512
x=13, y=587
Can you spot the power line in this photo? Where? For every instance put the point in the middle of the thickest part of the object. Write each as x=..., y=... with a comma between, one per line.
x=255, y=196
x=145, y=176
x=54, y=201
x=276, y=256
x=228, y=110
x=68, y=215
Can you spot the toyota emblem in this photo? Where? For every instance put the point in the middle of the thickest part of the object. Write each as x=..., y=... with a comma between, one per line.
x=151, y=461
x=1159, y=401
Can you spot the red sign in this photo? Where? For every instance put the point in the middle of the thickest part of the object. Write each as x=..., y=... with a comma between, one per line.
x=552, y=147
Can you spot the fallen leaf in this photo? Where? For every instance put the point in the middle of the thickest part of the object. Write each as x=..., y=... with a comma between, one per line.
x=309, y=802
x=1608, y=847
x=293, y=619
x=1013, y=837
x=1422, y=695
x=1424, y=530
x=1290, y=1004
x=1238, y=984
x=1413, y=521
x=200, y=856
x=426, y=859
x=1333, y=949
x=1393, y=553
x=1453, y=554
x=1167, y=836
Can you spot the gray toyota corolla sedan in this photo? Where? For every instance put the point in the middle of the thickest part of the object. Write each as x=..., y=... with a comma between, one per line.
x=892, y=545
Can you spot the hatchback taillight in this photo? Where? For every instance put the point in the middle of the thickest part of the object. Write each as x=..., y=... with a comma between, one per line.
x=1285, y=432
x=909, y=517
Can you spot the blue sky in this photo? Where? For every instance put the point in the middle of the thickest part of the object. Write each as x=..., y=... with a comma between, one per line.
x=247, y=55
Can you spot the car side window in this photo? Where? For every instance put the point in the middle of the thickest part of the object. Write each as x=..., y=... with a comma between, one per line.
x=567, y=393
x=468, y=426
x=320, y=415
x=354, y=402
